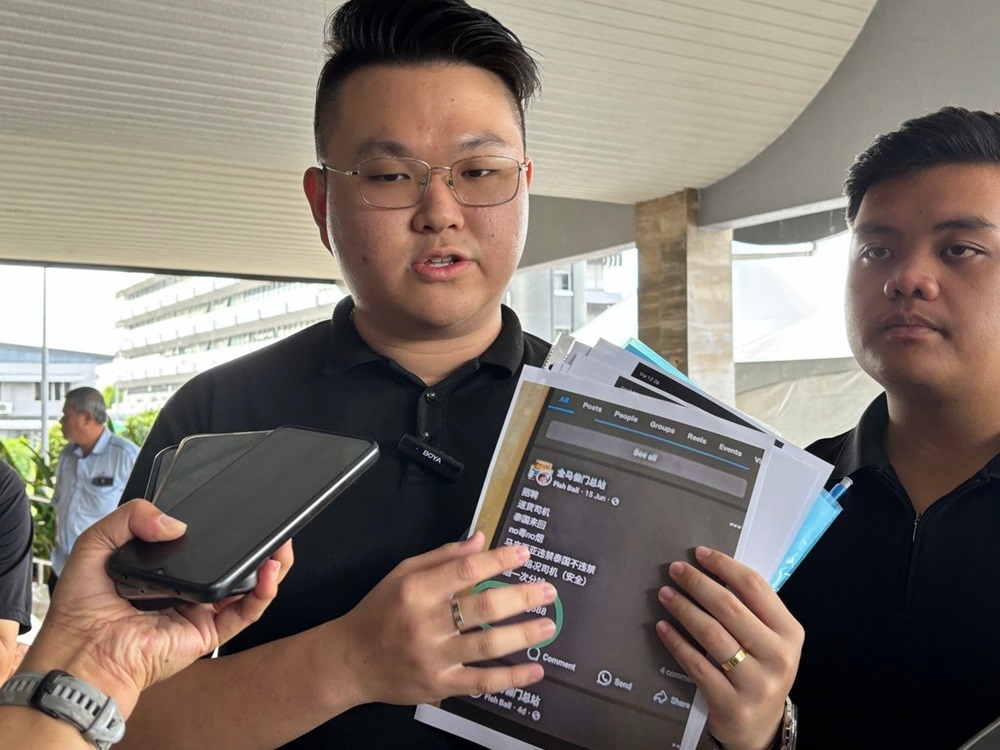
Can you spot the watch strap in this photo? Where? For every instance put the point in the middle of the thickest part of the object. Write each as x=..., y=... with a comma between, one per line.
x=63, y=696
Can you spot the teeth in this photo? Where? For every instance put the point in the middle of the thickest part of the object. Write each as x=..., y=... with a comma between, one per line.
x=441, y=262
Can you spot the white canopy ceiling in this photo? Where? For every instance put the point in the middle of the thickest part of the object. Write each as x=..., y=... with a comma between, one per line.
x=171, y=134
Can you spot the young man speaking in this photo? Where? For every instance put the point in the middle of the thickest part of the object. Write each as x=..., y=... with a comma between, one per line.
x=421, y=194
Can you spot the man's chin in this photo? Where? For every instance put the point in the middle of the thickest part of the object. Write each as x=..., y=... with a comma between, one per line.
x=430, y=321
x=923, y=383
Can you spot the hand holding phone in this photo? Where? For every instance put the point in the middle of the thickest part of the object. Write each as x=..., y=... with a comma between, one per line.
x=241, y=515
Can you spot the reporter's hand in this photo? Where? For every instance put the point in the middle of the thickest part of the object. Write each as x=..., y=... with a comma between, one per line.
x=401, y=641
x=746, y=703
x=99, y=637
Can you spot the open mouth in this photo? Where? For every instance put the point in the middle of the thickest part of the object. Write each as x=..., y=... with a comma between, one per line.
x=441, y=262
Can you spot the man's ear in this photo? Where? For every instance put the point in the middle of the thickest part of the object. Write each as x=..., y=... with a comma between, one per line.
x=529, y=172
x=314, y=185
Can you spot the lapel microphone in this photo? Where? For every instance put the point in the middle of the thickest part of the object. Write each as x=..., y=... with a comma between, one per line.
x=429, y=457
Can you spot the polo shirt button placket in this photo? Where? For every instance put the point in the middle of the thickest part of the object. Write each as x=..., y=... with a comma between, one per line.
x=430, y=397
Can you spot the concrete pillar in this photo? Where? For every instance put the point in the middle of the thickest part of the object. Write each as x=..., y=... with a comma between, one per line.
x=686, y=291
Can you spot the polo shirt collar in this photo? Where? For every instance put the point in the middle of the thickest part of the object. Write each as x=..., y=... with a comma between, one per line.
x=346, y=349
x=865, y=446
x=507, y=349
x=99, y=447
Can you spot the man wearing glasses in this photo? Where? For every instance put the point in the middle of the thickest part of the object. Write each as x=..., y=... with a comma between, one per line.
x=421, y=196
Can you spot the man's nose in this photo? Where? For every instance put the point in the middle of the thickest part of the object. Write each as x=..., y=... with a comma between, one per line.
x=440, y=207
x=915, y=277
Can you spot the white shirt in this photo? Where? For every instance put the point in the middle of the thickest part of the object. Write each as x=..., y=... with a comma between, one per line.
x=88, y=488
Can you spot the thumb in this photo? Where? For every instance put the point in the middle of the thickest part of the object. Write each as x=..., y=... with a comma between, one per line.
x=137, y=518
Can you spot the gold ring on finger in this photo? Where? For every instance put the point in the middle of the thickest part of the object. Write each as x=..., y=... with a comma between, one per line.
x=738, y=657
x=456, y=615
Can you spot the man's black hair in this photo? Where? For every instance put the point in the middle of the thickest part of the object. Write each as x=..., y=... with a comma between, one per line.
x=951, y=135
x=418, y=32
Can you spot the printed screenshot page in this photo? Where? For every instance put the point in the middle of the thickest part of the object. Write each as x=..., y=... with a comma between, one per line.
x=606, y=497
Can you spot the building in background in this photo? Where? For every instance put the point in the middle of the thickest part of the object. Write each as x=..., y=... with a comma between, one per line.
x=21, y=384
x=570, y=297
x=173, y=327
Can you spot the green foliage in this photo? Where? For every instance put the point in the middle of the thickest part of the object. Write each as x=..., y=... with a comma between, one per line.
x=57, y=441
x=39, y=472
x=38, y=475
x=109, y=394
x=136, y=426
x=44, y=516
x=17, y=454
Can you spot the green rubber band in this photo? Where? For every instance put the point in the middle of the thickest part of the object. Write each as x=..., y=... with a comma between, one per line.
x=557, y=604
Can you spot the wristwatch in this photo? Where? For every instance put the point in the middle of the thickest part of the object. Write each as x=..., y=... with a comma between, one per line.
x=788, y=733
x=62, y=696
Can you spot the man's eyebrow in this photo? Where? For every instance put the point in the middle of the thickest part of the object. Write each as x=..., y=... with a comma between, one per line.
x=980, y=223
x=388, y=147
x=873, y=227
x=476, y=142
x=972, y=222
x=380, y=147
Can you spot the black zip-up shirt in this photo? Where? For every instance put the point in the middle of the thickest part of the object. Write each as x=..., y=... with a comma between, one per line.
x=901, y=613
x=326, y=377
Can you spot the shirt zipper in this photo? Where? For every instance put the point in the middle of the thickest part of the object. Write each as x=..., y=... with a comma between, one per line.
x=916, y=521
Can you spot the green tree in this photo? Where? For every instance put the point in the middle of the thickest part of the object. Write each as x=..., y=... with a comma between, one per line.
x=137, y=426
x=57, y=441
x=38, y=475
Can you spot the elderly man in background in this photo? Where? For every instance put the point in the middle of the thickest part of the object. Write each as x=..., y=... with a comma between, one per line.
x=92, y=471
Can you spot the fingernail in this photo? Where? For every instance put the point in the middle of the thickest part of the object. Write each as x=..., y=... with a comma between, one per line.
x=667, y=593
x=546, y=628
x=170, y=523
x=677, y=569
x=703, y=553
x=548, y=592
x=523, y=553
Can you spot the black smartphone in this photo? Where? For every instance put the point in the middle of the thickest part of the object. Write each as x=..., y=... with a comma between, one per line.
x=241, y=515
x=197, y=458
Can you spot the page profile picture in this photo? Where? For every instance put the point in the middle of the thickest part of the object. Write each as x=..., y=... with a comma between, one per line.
x=541, y=472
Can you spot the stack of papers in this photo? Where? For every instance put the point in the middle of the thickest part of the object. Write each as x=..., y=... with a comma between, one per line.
x=610, y=466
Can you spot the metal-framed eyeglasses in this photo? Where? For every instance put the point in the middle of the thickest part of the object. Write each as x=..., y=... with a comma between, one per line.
x=401, y=182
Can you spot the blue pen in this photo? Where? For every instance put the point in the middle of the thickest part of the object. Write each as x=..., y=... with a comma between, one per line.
x=838, y=490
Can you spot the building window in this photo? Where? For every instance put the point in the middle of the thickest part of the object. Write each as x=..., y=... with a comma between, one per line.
x=595, y=274
x=562, y=283
x=57, y=391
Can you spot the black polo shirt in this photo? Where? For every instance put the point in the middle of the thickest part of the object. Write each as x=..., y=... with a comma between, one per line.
x=326, y=377
x=902, y=614
x=16, y=531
